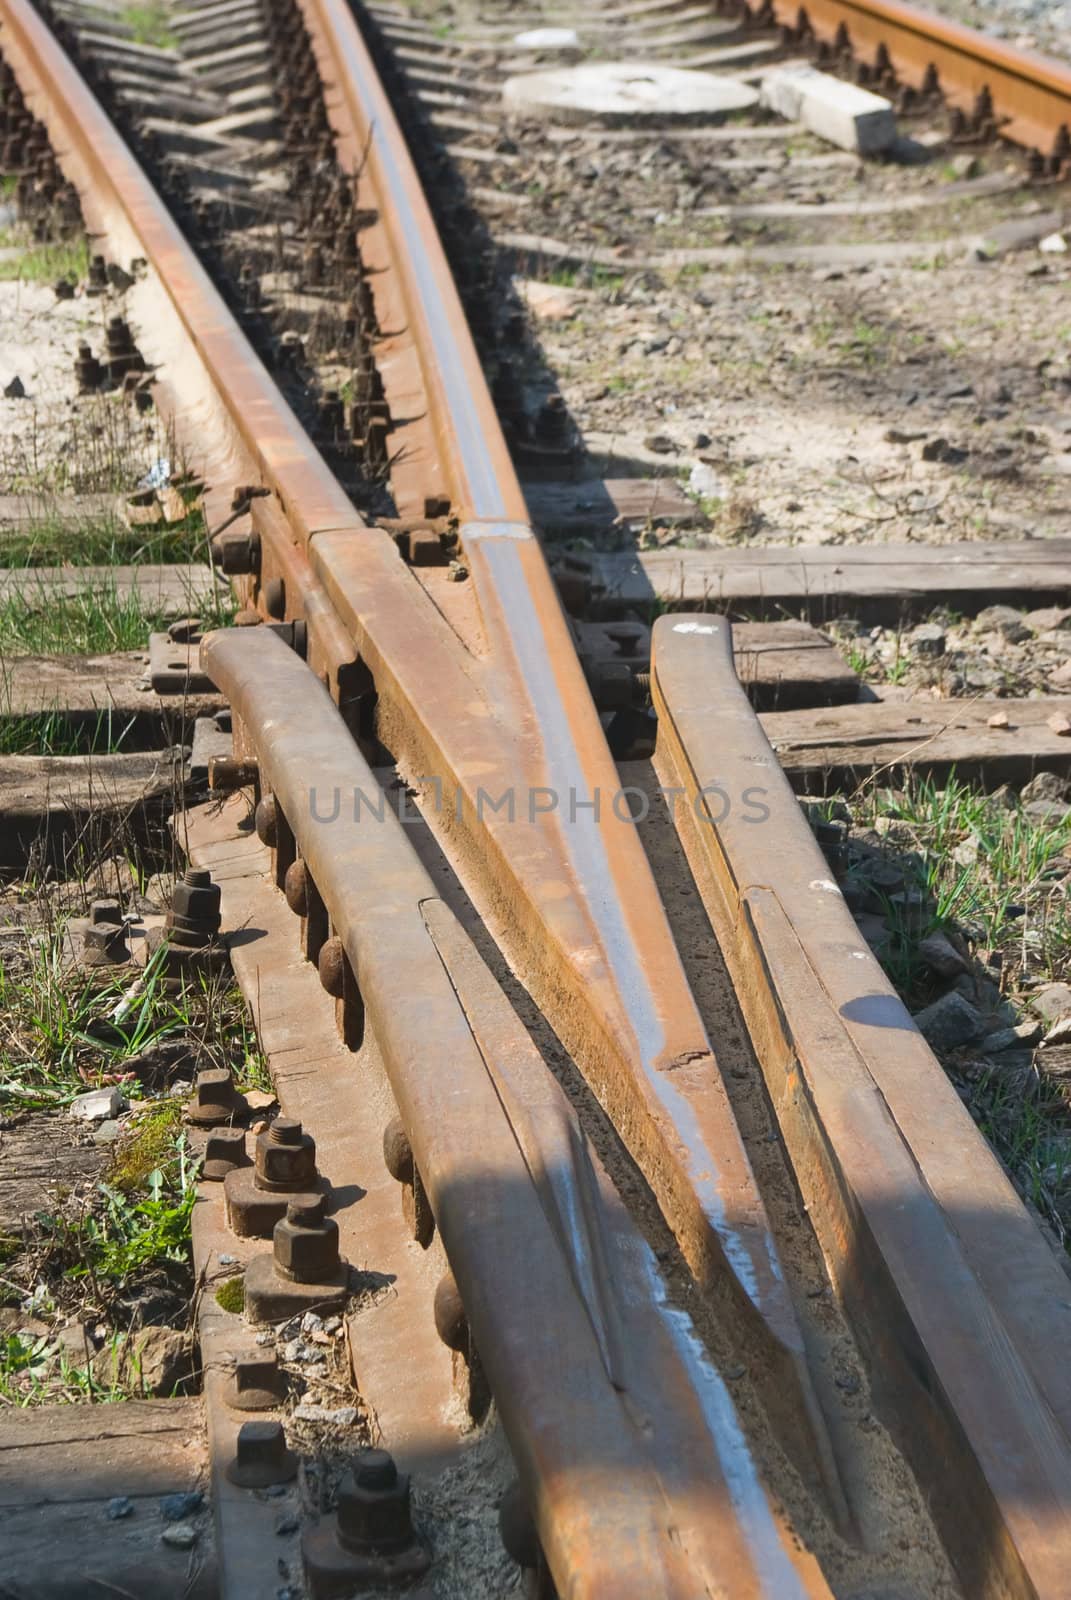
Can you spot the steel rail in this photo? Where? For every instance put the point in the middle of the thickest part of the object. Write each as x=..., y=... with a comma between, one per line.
x=571, y=897
x=641, y=1478
x=1026, y=96
x=504, y=711
x=963, y=1306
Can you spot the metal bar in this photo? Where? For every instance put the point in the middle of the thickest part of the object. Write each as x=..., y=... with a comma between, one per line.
x=1031, y=94
x=630, y=1445
x=963, y=1307
x=574, y=896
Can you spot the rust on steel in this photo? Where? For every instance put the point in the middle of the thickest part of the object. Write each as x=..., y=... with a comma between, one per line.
x=1029, y=94
x=497, y=717
x=962, y=1307
x=639, y=1474
x=223, y=402
x=507, y=712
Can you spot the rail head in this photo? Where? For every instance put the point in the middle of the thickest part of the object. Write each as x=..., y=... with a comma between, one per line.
x=527, y=1217
x=930, y=1247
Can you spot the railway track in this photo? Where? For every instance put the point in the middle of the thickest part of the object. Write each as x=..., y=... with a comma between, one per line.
x=658, y=1236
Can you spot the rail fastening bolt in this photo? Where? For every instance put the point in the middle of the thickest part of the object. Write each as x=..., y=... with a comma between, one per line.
x=286, y=1158
x=261, y=1457
x=330, y=964
x=305, y=1242
x=266, y=821
x=296, y=888
x=373, y=1505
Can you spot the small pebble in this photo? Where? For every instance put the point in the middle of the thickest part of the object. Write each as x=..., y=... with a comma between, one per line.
x=177, y=1507
x=228, y=1261
x=286, y=1526
x=180, y=1535
x=847, y=1381
x=119, y=1508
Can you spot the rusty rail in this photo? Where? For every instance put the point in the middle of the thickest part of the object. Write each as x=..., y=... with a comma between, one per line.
x=631, y=1443
x=992, y=85
x=560, y=871
x=963, y=1306
x=490, y=713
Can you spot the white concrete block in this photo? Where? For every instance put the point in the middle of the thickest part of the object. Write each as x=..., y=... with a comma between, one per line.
x=850, y=117
x=630, y=91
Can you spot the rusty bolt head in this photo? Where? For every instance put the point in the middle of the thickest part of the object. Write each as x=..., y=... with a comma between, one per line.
x=451, y=1324
x=229, y=773
x=305, y=1243
x=296, y=888
x=224, y=1151
x=215, y=1099
x=266, y=821
x=195, y=904
x=236, y=553
x=397, y=1151
x=373, y=1505
x=259, y=1383
x=104, y=944
x=286, y=1158
x=274, y=593
x=330, y=963
x=105, y=910
x=262, y=1458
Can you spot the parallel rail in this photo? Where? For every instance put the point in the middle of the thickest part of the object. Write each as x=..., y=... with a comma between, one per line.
x=993, y=86
x=479, y=697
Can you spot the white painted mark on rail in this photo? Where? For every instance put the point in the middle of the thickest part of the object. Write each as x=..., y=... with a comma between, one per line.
x=495, y=530
x=825, y=885
x=696, y=627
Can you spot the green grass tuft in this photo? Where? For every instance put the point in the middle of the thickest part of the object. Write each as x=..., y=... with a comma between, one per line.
x=44, y=263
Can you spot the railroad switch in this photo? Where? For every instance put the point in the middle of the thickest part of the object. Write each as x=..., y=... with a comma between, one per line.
x=370, y=1539
x=304, y=1272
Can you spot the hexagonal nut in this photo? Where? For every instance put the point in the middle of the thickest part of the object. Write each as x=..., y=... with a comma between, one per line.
x=195, y=902
x=305, y=1243
x=286, y=1157
x=373, y=1505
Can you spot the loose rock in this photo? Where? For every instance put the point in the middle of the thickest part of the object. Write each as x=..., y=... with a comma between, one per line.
x=154, y=1361
x=180, y=1535
x=98, y=1105
x=950, y=1022
x=179, y=1507
x=941, y=956
x=1052, y=1003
